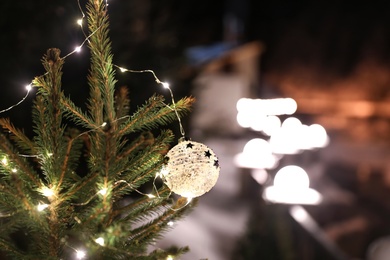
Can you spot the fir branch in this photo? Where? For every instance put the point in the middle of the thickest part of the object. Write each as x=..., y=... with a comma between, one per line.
x=155, y=113
x=79, y=186
x=112, y=160
x=152, y=230
x=10, y=201
x=149, y=161
x=143, y=140
x=11, y=250
x=95, y=102
x=101, y=71
x=122, y=102
x=147, y=211
x=141, y=204
x=18, y=136
x=23, y=166
x=76, y=115
x=71, y=155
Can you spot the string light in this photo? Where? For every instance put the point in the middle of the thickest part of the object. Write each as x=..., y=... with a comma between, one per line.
x=150, y=196
x=42, y=207
x=169, y=257
x=100, y=241
x=77, y=220
x=47, y=192
x=80, y=254
x=103, y=191
x=165, y=85
x=77, y=49
x=3, y=215
x=4, y=161
x=28, y=88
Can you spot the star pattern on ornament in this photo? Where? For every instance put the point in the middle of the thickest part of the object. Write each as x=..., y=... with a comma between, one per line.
x=190, y=145
x=216, y=163
x=207, y=154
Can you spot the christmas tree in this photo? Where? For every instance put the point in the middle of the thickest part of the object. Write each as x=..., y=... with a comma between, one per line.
x=85, y=184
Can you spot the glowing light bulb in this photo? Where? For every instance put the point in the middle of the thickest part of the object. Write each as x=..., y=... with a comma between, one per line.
x=77, y=49
x=122, y=69
x=14, y=170
x=4, y=161
x=42, y=207
x=28, y=87
x=47, y=192
x=80, y=254
x=150, y=196
x=165, y=84
x=104, y=124
x=170, y=223
x=80, y=22
x=169, y=257
x=100, y=241
x=103, y=191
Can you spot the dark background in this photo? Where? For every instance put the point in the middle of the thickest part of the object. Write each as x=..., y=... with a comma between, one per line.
x=329, y=36
x=332, y=36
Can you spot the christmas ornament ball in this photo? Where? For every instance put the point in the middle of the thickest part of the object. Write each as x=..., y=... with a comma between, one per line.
x=192, y=169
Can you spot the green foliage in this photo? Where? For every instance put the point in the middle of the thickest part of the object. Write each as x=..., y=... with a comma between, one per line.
x=94, y=172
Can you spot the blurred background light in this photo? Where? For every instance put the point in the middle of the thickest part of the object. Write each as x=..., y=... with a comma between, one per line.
x=257, y=154
x=271, y=125
x=291, y=186
x=276, y=106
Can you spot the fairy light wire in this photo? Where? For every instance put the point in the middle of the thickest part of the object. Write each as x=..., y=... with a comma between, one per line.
x=176, y=112
x=28, y=88
x=165, y=85
x=77, y=49
x=139, y=192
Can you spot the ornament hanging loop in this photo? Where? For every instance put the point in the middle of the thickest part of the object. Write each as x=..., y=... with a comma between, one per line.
x=166, y=85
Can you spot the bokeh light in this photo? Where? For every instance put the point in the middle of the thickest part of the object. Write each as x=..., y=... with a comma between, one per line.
x=291, y=186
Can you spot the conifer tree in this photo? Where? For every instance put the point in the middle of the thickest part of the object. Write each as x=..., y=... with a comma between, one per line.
x=74, y=192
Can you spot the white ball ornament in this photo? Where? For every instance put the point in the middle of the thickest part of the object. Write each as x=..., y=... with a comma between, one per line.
x=192, y=169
